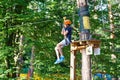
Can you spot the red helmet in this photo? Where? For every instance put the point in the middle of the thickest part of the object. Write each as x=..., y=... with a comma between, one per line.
x=67, y=22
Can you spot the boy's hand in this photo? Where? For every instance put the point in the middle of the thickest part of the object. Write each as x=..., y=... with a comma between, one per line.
x=65, y=33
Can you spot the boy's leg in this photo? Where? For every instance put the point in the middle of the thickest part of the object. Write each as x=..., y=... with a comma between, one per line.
x=57, y=53
x=60, y=46
x=58, y=50
x=63, y=43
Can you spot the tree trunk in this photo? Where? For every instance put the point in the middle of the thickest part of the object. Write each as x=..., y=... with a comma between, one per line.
x=19, y=56
x=112, y=36
x=30, y=72
x=86, y=66
x=84, y=36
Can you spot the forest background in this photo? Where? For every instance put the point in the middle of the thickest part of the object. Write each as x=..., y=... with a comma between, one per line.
x=33, y=26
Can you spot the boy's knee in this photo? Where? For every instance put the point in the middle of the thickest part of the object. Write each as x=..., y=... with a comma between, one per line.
x=59, y=45
x=56, y=48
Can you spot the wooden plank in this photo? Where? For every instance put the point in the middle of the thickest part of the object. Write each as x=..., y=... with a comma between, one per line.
x=78, y=43
x=75, y=43
x=93, y=42
x=73, y=48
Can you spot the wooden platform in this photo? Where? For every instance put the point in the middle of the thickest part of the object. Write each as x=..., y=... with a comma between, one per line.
x=78, y=45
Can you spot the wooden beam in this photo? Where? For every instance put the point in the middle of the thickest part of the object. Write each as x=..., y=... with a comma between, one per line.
x=74, y=48
x=72, y=65
x=78, y=45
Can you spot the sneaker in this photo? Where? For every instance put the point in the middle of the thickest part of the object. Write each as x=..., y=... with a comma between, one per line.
x=62, y=58
x=57, y=61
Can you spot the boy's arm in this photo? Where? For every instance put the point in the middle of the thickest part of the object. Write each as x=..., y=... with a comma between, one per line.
x=63, y=30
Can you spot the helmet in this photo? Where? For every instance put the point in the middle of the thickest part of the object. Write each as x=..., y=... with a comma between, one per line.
x=67, y=22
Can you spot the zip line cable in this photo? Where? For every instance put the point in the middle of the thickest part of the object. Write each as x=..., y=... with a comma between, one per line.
x=32, y=23
x=28, y=24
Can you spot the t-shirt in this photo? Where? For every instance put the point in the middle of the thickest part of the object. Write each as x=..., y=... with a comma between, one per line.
x=69, y=29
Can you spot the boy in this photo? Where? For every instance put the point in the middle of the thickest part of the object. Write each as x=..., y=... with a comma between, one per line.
x=67, y=32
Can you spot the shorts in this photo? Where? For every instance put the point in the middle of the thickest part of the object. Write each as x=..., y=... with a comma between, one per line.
x=65, y=42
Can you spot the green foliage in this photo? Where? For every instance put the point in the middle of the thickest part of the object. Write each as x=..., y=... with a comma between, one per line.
x=40, y=22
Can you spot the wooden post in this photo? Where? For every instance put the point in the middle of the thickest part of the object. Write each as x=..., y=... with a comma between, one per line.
x=84, y=36
x=86, y=66
x=86, y=59
x=72, y=65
